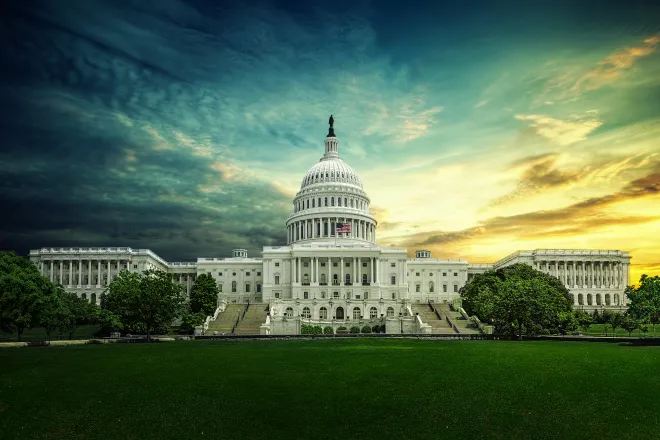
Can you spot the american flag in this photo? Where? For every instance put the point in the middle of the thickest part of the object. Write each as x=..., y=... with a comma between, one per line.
x=343, y=227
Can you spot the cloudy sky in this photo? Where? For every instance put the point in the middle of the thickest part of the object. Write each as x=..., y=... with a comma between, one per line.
x=478, y=127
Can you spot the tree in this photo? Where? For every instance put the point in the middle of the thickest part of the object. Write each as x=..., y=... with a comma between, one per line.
x=644, y=300
x=517, y=299
x=22, y=293
x=567, y=322
x=584, y=320
x=82, y=312
x=55, y=314
x=616, y=321
x=144, y=302
x=191, y=320
x=629, y=323
x=204, y=295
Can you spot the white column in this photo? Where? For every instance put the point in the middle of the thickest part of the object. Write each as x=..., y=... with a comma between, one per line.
x=89, y=272
x=377, y=260
x=98, y=281
x=108, y=281
x=70, y=272
x=79, y=272
x=61, y=269
x=329, y=280
x=341, y=271
x=355, y=270
x=298, y=271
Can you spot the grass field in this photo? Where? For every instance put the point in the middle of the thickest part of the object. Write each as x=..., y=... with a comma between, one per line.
x=331, y=389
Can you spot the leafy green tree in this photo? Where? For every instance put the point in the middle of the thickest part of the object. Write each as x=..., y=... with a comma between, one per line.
x=191, y=320
x=204, y=295
x=629, y=323
x=584, y=320
x=596, y=317
x=145, y=302
x=82, y=312
x=22, y=293
x=644, y=300
x=567, y=322
x=517, y=299
x=615, y=321
x=55, y=314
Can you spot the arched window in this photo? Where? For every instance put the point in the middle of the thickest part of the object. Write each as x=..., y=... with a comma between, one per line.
x=339, y=313
x=351, y=203
x=319, y=202
x=589, y=299
x=307, y=203
x=345, y=204
x=93, y=298
x=338, y=201
x=306, y=313
x=356, y=313
x=373, y=313
x=390, y=312
x=323, y=313
x=332, y=201
x=364, y=279
x=418, y=288
x=348, y=279
x=289, y=312
x=326, y=201
x=607, y=299
x=233, y=286
x=580, y=299
x=431, y=286
x=84, y=296
x=313, y=203
x=335, y=279
x=598, y=299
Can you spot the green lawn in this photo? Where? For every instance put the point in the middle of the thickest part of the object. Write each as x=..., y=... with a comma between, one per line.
x=331, y=389
x=599, y=330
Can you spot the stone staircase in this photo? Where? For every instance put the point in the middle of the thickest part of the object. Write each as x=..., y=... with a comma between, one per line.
x=225, y=320
x=438, y=326
x=463, y=325
x=251, y=322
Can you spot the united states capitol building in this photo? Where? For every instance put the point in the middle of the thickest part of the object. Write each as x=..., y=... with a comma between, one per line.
x=332, y=271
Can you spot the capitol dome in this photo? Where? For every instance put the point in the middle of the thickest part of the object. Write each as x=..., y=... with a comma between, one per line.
x=331, y=202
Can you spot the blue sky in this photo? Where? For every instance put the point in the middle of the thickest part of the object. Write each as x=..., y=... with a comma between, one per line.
x=478, y=128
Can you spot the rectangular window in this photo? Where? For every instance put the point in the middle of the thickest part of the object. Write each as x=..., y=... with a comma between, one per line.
x=247, y=274
x=364, y=264
x=417, y=287
x=334, y=264
x=258, y=274
x=305, y=295
x=277, y=294
x=392, y=264
x=220, y=288
x=444, y=288
x=277, y=264
x=322, y=264
x=335, y=295
x=135, y=266
x=258, y=288
x=393, y=295
x=356, y=297
x=455, y=287
x=305, y=264
x=219, y=273
x=455, y=274
x=208, y=273
x=277, y=279
x=247, y=288
x=393, y=280
x=348, y=264
x=366, y=295
x=416, y=274
x=444, y=274
x=322, y=295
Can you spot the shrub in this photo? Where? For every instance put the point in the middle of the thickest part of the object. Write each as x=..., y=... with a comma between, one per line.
x=341, y=328
x=355, y=329
x=375, y=329
x=306, y=329
x=327, y=330
x=366, y=329
x=317, y=330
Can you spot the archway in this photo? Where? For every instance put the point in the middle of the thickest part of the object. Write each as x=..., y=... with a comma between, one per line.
x=339, y=313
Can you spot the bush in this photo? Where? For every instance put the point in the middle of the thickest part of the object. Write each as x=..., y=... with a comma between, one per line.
x=341, y=328
x=375, y=329
x=317, y=330
x=328, y=331
x=306, y=329
x=366, y=329
x=342, y=332
x=355, y=329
